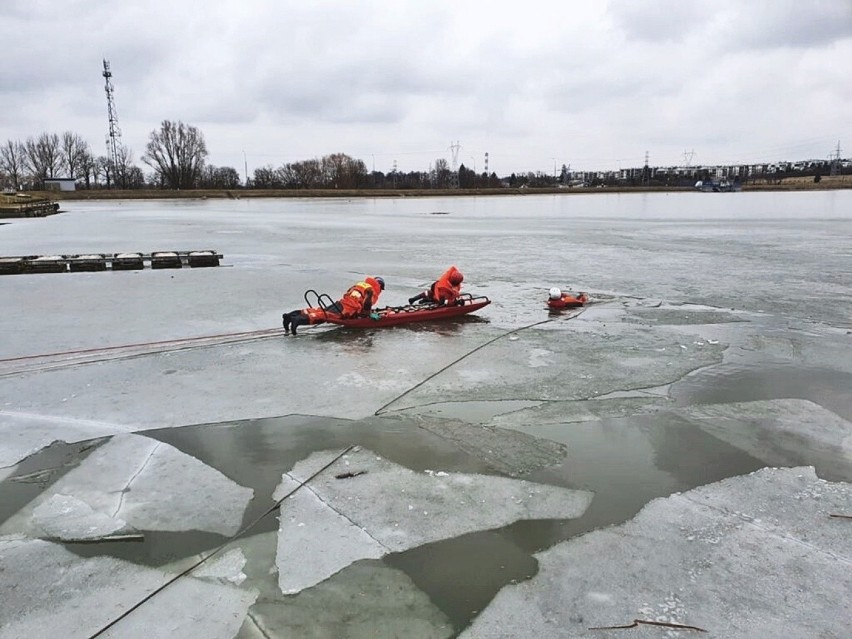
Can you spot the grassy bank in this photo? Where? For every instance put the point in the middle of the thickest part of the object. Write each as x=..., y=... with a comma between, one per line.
x=787, y=184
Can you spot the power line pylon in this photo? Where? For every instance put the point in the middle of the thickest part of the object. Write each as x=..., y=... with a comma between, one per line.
x=454, y=174
x=835, y=160
x=113, y=139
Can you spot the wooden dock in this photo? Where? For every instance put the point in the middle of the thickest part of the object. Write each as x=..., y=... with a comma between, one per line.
x=20, y=205
x=16, y=265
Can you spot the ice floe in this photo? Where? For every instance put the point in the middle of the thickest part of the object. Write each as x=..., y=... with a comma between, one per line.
x=51, y=592
x=148, y=484
x=749, y=556
x=331, y=522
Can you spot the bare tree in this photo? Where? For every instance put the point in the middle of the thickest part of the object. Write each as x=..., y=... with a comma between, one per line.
x=74, y=149
x=42, y=156
x=267, y=177
x=124, y=166
x=219, y=177
x=306, y=174
x=12, y=162
x=104, y=167
x=176, y=153
x=89, y=169
x=441, y=173
x=133, y=178
x=340, y=171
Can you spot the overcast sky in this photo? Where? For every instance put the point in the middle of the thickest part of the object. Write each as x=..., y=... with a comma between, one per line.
x=535, y=84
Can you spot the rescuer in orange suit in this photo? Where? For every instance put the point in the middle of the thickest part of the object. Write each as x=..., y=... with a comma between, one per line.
x=358, y=301
x=445, y=290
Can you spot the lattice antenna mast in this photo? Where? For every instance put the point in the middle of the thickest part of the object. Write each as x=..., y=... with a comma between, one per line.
x=113, y=140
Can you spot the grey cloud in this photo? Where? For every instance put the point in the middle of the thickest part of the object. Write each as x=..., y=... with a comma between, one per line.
x=759, y=24
x=797, y=25
x=661, y=21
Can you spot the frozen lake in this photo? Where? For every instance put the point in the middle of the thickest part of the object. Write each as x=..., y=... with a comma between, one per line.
x=718, y=344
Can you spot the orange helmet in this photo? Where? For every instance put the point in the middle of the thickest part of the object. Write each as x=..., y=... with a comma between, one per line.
x=456, y=278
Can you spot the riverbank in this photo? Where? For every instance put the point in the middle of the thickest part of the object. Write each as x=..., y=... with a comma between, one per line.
x=788, y=184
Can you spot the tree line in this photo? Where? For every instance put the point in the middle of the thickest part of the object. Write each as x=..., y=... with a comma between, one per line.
x=176, y=154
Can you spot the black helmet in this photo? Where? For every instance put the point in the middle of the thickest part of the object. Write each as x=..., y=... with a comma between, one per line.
x=380, y=281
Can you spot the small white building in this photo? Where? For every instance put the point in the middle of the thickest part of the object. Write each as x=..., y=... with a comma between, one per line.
x=60, y=184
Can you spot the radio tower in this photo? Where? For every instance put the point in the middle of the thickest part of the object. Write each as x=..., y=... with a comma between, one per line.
x=113, y=140
x=486, y=164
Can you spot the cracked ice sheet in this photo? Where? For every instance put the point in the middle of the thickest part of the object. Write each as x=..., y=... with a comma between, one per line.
x=148, y=484
x=781, y=432
x=684, y=315
x=51, y=592
x=23, y=434
x=752, y=556
x=579, y=359
x=330, y=523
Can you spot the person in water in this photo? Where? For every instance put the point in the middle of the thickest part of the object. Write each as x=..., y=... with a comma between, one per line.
x=568, y=299
x=445, y=290
x=358, y=301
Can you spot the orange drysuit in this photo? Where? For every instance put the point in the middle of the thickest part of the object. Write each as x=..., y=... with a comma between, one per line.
x=360, y=298
x=447, y=288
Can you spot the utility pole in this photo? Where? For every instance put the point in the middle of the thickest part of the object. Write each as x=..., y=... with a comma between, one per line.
x=245, y=167
x=113, y=139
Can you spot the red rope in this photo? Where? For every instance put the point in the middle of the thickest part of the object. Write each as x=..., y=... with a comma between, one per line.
x=85, y=351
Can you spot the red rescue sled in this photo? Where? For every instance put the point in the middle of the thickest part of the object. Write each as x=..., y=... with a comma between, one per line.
x=396, y=315
x=568, y=300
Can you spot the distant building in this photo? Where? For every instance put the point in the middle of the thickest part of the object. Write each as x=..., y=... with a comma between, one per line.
x=60, y=184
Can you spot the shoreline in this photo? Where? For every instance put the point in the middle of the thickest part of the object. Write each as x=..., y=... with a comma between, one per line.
x=790, y=185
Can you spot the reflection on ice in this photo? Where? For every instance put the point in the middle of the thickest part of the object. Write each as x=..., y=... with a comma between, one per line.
x=782, y=432
x=331, y=522
x=148, y=484
x=366, y=600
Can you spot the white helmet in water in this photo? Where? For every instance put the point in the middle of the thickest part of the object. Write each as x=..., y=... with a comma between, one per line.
x=555, y=294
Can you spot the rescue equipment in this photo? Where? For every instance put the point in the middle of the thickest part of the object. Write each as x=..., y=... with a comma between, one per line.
x=392, y=315
x=569, y=299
